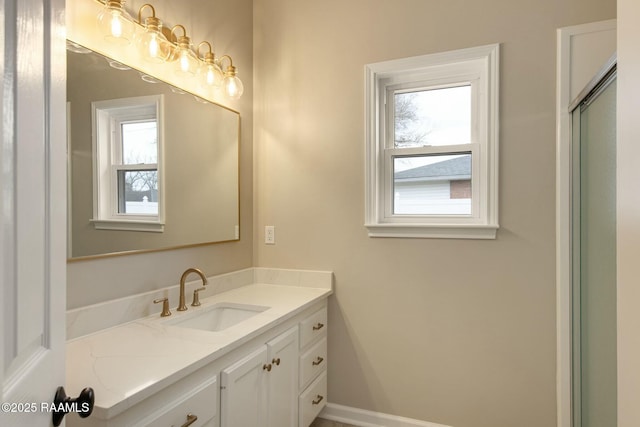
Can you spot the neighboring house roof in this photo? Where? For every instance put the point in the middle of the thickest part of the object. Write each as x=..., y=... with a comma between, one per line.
x=452, y=169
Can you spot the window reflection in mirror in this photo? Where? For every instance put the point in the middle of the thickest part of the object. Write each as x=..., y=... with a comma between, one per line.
x=127, y=138
x=191, y=186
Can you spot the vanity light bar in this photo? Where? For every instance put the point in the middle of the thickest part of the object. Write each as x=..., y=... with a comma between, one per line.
x=118, y=27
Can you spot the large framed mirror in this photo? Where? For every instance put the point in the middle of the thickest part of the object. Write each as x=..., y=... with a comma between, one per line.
x=187, y=195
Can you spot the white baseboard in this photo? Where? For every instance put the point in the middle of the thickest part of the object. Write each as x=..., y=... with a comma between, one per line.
x=362, y=418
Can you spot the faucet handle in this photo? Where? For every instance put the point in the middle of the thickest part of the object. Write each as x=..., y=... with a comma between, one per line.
x=196, y=297
x=165, y=306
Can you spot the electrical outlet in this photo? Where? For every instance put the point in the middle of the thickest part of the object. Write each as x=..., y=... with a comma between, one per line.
x=270, y=235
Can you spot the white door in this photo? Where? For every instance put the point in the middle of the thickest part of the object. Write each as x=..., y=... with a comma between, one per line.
x=32, y=209
x=283, y=380
x=243, y=394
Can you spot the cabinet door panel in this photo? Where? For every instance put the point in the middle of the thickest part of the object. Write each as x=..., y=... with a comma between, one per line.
x=243, y=392
x=283, y=379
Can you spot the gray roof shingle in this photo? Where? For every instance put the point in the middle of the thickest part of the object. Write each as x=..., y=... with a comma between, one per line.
x=457, y=167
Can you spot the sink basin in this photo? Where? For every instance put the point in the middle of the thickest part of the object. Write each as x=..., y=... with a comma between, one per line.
x=218, y=317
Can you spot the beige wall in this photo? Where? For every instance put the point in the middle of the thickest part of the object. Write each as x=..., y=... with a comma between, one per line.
x=452, y=331
x=628, y=213
x=227, y=24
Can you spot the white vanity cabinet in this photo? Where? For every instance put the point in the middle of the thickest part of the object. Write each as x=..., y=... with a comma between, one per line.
x=266, y=371
x=191, y=401
x=281, y=384
x=313, y=366
x=261, y=389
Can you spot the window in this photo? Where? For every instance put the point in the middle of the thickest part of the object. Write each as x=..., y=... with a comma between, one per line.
x=432, y=145
x=127, y=174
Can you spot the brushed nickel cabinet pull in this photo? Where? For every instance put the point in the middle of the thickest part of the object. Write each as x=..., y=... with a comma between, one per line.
x=317, y=361
x=267, y=367
x=276, y=361
x=317, y=400
x=318, y=326
x=190, y=420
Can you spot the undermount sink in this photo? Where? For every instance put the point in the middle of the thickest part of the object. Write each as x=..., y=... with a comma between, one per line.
x=218, y=317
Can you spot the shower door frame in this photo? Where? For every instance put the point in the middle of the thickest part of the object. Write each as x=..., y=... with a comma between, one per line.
x=581, y=52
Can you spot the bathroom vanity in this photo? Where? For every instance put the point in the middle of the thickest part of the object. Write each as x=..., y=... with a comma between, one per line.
x=254, y=354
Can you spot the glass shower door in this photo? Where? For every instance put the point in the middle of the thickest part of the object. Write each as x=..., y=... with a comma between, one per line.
x=594, y=258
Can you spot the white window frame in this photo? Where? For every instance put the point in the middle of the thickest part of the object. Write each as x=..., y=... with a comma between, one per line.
x=477, y=67
x=107, y=117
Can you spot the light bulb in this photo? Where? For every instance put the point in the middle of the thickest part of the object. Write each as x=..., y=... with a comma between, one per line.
x=233, y=86
x=186, y=61
x=115, y=23
x=152, y=44
x=210, y=78
x=213, y=75
x=210, y=75
x=154, y=48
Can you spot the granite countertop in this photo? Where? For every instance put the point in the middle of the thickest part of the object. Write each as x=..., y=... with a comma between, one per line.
x=127, y=363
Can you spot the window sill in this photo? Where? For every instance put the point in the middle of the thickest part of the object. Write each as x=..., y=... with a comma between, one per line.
x=128, y=225
x=443, y=231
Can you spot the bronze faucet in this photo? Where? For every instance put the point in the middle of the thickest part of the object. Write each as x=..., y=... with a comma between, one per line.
x=181, y=305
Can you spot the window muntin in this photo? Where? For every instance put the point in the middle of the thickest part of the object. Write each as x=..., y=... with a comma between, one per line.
x=459, y=118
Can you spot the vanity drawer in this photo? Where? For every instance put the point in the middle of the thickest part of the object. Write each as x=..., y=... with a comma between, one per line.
x=313, y=327
x=195, y=394
x=313, y=400
x=312, y=362
x=201, y=405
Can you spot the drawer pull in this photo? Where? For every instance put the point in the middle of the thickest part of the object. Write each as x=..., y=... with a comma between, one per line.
x=267, y=367
x=190, y=420
x=318, y=326
x=276, y=361
x=317, y=400
x=317, y=361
